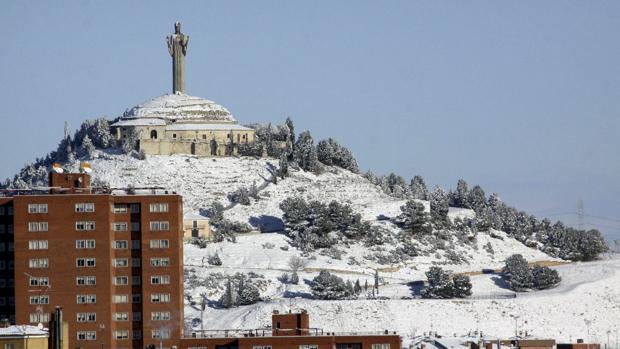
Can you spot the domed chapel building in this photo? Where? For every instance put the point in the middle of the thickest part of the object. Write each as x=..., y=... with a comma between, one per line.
x=180, y=124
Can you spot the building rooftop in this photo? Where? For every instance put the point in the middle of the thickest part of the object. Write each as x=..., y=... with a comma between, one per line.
x=179, y=106
x=22, y=330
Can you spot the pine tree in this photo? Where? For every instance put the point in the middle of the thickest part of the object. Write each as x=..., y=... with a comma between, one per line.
x=462, y=286
x=461, y=196
x=331, y=153
x=294, y=278
x=545, y=277
x=88, y=147
x=377, y=281
x=439, y=208
x=305, y=153
x=418, y=188
x=247, y=293
x=228, y=299
x=357, y=288
x=328, y=286
x=413, y=218
x=283, y=164
x=291, y=131
x=440, y=284
x=518, y=273
x=477, y=199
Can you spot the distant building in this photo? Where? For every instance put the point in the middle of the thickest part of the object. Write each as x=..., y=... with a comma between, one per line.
x=195, y=225
x=112, y=261
x=289, y=331
x=180, y=124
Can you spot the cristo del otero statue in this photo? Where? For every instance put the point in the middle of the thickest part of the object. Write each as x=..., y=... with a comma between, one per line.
x=180, y=124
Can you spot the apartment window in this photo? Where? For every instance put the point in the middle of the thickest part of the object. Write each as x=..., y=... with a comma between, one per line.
x=37, y=245
x=160, y=297
x=309, y=346
x=2, y=301
x=120, y=208
x=119, y=244
x=39, y=300
x=9, y=346
x=163, y=243
x=2, y=283
x=86, y=317
x=161, y=334
x=136, y=334
x=85, y=207
x=135, y=226
x=135, y=262
x=2, y=247
x=261, y=347
x=160, y=280
x=158, y=207
x=162, y=225
x=84, y=244
x=380, y=346
x=35, y=226
x=135, y=280
x=39, y=317
x=160, y=262
x=120, y=317
x=39, y=281
x=160, y=315
x=135, y=244
x=135, y=208
x=1, y=228
x=38, y=263
x=121, y=280
x=87, y=335
x=11, y=283
x=119, y=226
x=120, y=298
x=136, y=298
x=9, y=228
x=37, y=208
x=120, y=262
x=85, y=262
x=9, y=211
x=11, y=265
x=136, y=316
x=86, y=299
x=1, y=211
x=121, y=334
x=12, y=301
x=85, y=226
x=2, y=265
x=86, y=280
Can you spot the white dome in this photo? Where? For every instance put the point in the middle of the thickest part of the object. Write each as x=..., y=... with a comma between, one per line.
x=180, y=107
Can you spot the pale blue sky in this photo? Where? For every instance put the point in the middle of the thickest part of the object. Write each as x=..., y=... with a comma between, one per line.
x=520, y=97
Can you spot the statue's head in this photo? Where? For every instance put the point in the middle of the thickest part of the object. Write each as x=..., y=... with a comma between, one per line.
x=177, y=27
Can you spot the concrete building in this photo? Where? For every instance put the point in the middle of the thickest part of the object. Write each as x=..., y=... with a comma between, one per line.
x=195, y=226
x=112, y=261
x=289, y=331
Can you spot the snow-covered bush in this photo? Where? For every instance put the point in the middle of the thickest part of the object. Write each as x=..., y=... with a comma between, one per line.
x=240, y=196
x=294, y=278
x=518, y=273
x=439, y=208
x=328, y=286
x=214, y=260
x=418, y=188
x=545, y=277
x=254, y=149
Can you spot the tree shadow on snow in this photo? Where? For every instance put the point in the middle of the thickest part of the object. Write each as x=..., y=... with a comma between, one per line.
x=500, y=282
x=416, y=287
x=267, y=224
x=297, y=294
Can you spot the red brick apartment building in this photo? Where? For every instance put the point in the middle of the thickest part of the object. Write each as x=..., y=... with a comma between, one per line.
x=289, y=331
x=114, y=263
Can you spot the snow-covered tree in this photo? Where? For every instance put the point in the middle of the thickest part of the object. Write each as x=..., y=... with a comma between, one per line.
x=283, y=166
x=418, y=188
x=331, y=153
x=88, y=147
x=460, y=198
x=328, y=286
x=518, y=273
x=413, y=218
x=291, y=131
x=440, y=284
x=305, y=153
x=294, y=278
x=545, y=277
x=462, y=286
x=214, y=259
x=439, y=208
x=477, y=199
x=228, y=298
x=247, y=293
x=130, y=142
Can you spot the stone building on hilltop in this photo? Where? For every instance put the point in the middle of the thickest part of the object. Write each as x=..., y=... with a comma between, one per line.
x=180, y=124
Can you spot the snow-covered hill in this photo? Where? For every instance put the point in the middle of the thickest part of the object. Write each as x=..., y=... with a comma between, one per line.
x=204, y=180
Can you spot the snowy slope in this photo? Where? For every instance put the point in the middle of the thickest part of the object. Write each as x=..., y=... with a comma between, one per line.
x=203, y=180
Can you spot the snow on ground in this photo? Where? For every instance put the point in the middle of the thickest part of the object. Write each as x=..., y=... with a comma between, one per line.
x=589, y=292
